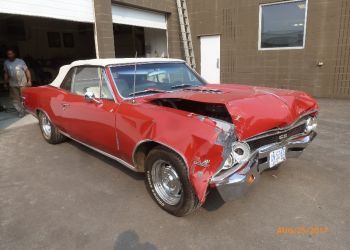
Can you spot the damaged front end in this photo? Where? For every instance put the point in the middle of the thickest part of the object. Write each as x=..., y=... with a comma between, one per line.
x=248, y=161
x=215, y=162
x=228, y=162
x=208, y=153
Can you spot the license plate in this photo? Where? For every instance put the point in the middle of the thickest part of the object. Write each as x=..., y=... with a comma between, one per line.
x=277, y=156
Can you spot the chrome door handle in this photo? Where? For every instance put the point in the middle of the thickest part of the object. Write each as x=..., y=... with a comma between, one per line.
x=65, y=105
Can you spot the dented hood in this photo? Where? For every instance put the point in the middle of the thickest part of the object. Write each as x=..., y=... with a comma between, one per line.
x=253, y=109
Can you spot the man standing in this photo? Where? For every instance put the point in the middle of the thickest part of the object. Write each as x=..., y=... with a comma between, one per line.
x=16, y=76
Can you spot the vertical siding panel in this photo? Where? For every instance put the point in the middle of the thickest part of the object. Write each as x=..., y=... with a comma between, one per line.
x=341, y=86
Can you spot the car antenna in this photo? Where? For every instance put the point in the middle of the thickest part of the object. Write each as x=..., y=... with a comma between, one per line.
x=134, y=87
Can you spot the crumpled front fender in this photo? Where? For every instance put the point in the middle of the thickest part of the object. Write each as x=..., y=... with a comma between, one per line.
x=204, y=143
x=209, y=157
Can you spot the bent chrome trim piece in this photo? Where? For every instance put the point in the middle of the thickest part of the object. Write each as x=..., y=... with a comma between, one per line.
x=239, y=166
x=232, y=185
x=102, y=152
x=297, y=141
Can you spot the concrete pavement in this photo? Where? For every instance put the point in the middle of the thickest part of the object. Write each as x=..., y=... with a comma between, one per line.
x=9, y=118
x=69, y=197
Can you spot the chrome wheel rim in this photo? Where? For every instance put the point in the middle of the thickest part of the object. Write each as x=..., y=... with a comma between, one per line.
x=166, y=182
x=46, y=126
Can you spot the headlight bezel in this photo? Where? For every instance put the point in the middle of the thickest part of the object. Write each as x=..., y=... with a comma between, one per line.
x=240, y=153
x=311, y=124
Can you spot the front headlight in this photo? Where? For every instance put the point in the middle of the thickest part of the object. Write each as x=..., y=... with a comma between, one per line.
x=240, y=153
x=228, y=163
x=311, y=124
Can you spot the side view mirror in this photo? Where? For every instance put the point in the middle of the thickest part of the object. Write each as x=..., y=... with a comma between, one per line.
x=90, y=97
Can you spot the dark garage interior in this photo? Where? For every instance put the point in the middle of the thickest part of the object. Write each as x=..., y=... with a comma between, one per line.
x=45, y=44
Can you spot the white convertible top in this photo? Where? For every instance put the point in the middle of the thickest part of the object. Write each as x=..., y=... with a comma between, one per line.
x=104, y=62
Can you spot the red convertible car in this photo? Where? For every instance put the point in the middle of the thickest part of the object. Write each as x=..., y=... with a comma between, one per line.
x=160, y=117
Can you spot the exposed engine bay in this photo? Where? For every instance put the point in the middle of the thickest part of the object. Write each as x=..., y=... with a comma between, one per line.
x=217, y=111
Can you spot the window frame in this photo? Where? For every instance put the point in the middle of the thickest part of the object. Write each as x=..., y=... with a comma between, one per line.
x=260, y=25
x=71, y=70
x=142, y=63
x=104, y=76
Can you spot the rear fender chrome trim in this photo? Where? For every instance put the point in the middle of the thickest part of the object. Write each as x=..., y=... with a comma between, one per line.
x=41, y=110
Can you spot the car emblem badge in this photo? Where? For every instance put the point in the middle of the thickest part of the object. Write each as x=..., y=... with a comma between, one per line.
x=282, y=137
x=204, y=164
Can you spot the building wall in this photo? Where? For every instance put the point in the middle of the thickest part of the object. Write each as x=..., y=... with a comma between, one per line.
x=327, y=41
x=104, y=39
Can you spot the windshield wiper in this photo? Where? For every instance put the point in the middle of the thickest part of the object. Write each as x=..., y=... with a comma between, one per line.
x=183, y=85
x=147, y=91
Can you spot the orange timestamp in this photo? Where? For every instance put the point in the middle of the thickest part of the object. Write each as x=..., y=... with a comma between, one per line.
x=302, y=230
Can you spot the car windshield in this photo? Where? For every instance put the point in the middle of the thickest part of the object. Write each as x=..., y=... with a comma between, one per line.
x=153, y=78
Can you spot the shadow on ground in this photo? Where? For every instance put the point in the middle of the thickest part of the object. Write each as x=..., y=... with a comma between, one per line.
x=130, y=240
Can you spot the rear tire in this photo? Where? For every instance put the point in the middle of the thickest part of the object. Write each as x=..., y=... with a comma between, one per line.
x=167, y=182
x=48, y=130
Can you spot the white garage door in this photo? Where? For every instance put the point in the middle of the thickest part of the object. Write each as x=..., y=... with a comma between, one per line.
x=73, y=10
x=138, y=17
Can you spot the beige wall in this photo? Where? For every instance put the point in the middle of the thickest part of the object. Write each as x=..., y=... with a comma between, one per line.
x=104, y=29
x=327, y=40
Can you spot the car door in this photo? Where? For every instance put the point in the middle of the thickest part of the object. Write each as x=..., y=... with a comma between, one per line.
x=91, y=121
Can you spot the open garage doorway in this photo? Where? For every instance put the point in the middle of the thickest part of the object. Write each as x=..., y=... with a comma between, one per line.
x=148, y=42
x=139, y=30
x=45, y=44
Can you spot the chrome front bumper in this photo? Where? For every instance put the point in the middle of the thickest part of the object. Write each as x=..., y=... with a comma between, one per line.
x=234, y=185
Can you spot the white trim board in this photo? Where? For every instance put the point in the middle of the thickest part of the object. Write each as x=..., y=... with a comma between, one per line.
x=138, y=17
x=77, y=10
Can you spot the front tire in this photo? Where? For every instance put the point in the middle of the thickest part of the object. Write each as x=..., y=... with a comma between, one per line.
x=167, y=182
x=48, y=130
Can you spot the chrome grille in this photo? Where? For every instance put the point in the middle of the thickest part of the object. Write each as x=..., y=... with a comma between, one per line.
x=276, y=137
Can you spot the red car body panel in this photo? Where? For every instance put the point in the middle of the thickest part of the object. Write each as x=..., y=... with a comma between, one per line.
x=118, y=128
x=253, y=109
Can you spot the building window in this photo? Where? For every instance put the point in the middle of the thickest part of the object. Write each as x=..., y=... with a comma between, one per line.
x=283, y=25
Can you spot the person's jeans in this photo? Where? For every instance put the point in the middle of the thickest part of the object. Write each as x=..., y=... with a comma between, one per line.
x=15, y=95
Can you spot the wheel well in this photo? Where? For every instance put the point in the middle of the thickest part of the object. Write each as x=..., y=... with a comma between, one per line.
x=37, y=112
x=141, y=153
x=143, y=150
